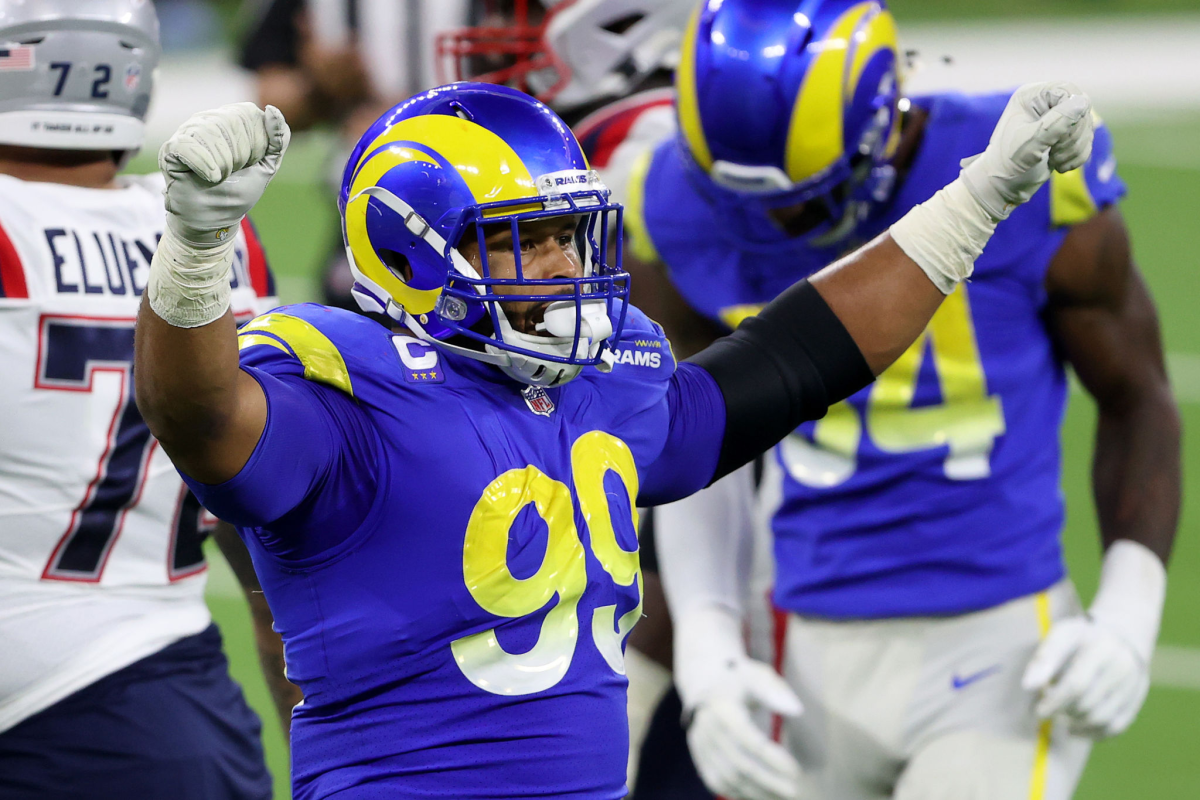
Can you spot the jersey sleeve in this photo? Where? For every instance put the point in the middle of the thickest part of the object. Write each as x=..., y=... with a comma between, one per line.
x=309, y=483
x=12, y=270
x=1078, y=195
x=262, y=279
x=695, y=432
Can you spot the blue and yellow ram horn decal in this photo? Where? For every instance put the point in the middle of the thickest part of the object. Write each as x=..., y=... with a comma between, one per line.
x=815, y=138
x=688, y=104
x=485, y=165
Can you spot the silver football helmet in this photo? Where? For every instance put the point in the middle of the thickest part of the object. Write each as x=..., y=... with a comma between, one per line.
x=609, y=46
x=76, y=74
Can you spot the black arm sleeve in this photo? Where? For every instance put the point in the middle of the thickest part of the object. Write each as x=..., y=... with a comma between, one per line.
x=783, y=367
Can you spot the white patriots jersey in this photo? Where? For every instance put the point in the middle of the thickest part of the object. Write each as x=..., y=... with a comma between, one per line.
x=100, y=557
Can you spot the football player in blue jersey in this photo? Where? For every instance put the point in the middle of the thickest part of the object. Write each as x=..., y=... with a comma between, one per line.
x=442, y=515
x=925, y=622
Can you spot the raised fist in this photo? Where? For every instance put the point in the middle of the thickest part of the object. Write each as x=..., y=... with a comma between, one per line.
x=217, y=165
x=1045, y=126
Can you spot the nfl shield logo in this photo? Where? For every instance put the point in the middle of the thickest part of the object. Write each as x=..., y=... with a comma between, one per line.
x=133, y=76
x=538, y=401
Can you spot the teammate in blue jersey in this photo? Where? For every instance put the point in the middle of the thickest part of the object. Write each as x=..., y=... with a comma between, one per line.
x=925, y=622
x=442, y=515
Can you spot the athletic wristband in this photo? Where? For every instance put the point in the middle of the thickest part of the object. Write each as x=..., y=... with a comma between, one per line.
x=189, y=285
x=708, y=646
x=1133, y=587
x=946, y=234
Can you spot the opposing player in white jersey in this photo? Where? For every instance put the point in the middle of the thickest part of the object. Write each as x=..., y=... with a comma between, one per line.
x=112, y=679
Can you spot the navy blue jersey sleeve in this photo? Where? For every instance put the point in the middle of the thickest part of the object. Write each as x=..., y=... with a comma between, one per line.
x=309, y=483
x=696, y=430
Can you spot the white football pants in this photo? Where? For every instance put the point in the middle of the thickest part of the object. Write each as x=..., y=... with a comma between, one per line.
x=927, y=708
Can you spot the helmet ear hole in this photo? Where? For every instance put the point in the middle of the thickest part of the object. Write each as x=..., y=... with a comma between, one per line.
x=397, y=264
x=619, y=26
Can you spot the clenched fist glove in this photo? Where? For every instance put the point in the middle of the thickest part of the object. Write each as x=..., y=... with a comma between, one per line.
x=1095, y=670
x=216, y=166
x=720, y=685
x=1044, y=126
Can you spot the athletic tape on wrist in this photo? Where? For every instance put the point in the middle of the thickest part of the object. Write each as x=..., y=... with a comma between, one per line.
x=1133, y=587
x=707, y=641
x=189, y=286
x=946, y=234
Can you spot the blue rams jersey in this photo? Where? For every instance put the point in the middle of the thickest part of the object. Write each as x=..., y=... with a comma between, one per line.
x=936, y=489
x=452, y=562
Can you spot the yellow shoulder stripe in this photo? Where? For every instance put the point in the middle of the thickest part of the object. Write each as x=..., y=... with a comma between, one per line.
x=642, y=245
x=1071, y=201
x=320, y=357
x=736, y=315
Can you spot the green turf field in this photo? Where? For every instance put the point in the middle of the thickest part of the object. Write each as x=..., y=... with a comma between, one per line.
x=1157, y=758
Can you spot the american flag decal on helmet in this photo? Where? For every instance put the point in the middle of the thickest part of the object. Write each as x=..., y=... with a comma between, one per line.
x=16, y=58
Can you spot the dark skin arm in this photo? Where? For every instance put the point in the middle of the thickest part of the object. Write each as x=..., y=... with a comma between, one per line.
x=880, y=295
x=209, y=415
x=270, y=646
x=865, y=290
x=205, y=412
x=1104, y=321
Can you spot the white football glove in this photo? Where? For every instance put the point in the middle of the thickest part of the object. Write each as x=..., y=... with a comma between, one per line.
x=1095, y=670
x=720, y=685
x=216, y=166
x=1044, y=126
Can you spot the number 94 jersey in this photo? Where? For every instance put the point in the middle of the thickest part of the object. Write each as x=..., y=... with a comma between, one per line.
x=935, y=490
x=100, y=559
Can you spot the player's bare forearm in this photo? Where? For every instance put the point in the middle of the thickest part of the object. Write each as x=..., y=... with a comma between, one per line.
x=285, y=694
x=882, y=297
x=207, y=414
x=1104, y=319
x=1136, y=471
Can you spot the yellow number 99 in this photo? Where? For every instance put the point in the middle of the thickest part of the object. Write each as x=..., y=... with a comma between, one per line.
x=485, y=568
x=563, y=572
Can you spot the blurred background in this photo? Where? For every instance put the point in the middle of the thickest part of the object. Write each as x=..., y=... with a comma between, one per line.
x=1139, y=59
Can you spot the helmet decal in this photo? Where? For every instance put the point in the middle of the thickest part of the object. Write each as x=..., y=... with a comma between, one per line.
x=359, y=241
x=814, y=140
x=687, y=102
x=792, y=101
x=461, y=165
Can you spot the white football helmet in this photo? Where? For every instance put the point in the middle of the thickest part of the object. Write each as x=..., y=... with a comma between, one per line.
x=78, y=74
x=567, y=53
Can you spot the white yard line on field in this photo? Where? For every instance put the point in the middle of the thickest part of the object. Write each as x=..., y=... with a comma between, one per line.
x=1184, y=371
x=1176, y=667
